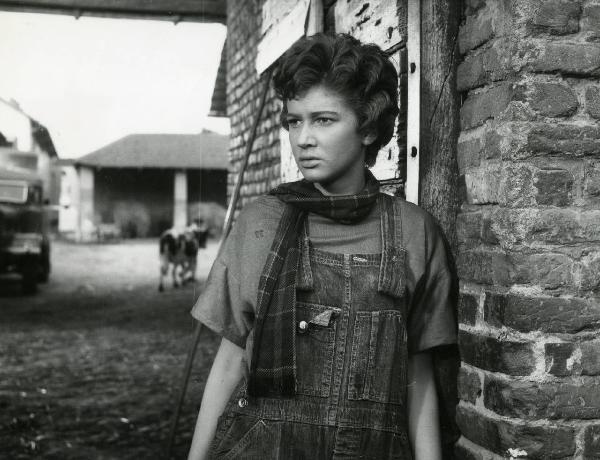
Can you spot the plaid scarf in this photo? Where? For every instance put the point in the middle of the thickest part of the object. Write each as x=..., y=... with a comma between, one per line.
x=273, y=365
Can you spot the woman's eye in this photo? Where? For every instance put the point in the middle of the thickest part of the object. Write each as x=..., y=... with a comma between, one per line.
x=324, y=121
x=292, y=123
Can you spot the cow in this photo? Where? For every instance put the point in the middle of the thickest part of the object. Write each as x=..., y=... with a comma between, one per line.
x=195, y=239
x=180, y=252
x=172, y=255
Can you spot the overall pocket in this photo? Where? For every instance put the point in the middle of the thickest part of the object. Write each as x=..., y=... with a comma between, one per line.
x=315, y=346
x=378, y=363
x=242, y=434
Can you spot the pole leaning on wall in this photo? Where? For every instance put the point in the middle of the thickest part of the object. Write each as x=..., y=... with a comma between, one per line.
x=226, y=229
x=413, y=123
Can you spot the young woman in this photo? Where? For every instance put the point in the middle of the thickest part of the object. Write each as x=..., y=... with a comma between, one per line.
x=328, y=294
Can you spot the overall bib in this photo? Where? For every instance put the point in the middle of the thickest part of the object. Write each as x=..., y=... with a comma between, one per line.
x=351, y=358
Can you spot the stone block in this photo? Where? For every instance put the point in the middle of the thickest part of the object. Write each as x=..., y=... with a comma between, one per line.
x=487, y=233
x=468, y=306
x=508, y=227
x=554, y=187
x=548, y=442
x=540, y=400
x=548, y=270
x=516, y=186
x=567, y=315
x=481, y=106
x=466, y=450
x=568, y=140
x=485, y=266
x=592, y=100
x=480, y=27
x=552, y=99
x=590, y=271
x=581, y=59
x=591, y=441
x=562, y=359
x=468, y=229
x=497, y=183
x=496, y=354
x=469, y=152
x=555, y=17
x=482, y=184
x=469, y=385
x=471, y=6
x=564, y=226
x=590, y=20
x=590, y=353
x=485, y=144
x=485, y=65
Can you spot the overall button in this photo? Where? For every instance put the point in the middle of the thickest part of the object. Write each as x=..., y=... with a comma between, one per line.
x=243, y=402
x=303, y=327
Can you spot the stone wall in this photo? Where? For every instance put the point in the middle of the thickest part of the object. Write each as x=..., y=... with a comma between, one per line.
x=529, y=229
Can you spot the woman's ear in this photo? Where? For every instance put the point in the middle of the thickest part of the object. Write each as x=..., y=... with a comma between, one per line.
x=369, y=138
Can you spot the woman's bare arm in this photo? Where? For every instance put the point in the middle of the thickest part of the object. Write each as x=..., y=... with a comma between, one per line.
x=423, y=417
x=225, y=374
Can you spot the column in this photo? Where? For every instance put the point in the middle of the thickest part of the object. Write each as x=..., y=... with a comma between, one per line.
x=180, y=200
x=86, y=225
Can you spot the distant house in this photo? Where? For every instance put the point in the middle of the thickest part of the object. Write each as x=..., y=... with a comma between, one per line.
x=146, y=183
x=26, y=144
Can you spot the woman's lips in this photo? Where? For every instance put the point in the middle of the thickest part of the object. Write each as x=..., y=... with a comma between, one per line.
x=308, y=163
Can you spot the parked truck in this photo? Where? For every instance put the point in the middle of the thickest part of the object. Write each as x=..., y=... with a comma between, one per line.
x=24, y=229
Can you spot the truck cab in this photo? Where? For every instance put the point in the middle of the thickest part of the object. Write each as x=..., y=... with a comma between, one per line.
x=24, y=229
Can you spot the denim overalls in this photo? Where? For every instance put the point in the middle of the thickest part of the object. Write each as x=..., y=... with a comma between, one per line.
x=351, y=358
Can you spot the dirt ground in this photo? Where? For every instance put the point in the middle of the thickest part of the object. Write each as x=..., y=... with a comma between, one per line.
x=91, y=365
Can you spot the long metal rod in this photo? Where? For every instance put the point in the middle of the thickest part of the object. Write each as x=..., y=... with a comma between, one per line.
x=238, y=184
x=226, y=229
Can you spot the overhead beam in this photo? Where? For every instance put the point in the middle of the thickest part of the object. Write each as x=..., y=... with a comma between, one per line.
x=166, y=10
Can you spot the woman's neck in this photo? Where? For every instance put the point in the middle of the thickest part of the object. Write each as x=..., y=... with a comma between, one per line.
x=348, y=191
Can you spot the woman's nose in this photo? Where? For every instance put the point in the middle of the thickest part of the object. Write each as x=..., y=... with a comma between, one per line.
x=305, y=136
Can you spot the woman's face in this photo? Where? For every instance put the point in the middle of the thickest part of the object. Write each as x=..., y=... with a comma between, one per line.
x=325, y=142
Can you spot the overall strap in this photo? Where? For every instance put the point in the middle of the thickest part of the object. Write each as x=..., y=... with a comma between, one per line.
x=392, y=271
x=304, y=278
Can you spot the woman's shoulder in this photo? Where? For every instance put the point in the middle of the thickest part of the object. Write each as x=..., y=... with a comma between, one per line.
x=416, y=219
x=412, y=211
x=263, y=212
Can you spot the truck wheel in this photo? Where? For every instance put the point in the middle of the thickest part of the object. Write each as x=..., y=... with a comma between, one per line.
x=44, y=274
x=29, y=282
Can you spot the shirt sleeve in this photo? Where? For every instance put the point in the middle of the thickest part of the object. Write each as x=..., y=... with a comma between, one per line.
x=432, y=320
x=221, y=306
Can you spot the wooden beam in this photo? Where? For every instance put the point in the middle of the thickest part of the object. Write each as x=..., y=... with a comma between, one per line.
x=413, y=106
x=438, y=183
x=438, y=188
x=168, y=10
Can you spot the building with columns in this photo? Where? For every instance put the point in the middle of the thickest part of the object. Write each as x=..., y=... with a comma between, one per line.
x=145, y=183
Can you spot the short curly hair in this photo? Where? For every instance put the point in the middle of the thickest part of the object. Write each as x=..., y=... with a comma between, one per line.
x=361, y=73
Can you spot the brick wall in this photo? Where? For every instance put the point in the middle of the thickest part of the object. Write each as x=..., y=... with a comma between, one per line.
x=244, y=89
x=529, y=229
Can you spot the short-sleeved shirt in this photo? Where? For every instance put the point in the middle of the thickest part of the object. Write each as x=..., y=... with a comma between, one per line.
x=228, y=303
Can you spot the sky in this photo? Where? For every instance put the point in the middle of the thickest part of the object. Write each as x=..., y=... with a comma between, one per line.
x=91, y=81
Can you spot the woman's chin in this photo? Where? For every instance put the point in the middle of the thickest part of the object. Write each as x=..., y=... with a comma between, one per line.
x=311, y=175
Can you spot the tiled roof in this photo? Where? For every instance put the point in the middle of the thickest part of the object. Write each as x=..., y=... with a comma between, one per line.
x=206, y=150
